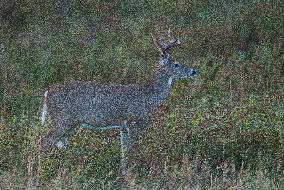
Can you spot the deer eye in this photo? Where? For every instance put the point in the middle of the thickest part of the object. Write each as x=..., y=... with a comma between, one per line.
x=177, y=65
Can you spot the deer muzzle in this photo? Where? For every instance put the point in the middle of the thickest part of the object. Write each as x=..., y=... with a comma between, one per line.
x=192, y=73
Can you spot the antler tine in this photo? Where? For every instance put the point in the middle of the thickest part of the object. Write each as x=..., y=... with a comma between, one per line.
x=170, y=35
x=155, y=42
x=161, y=46
x=158, y=46
x=171, y=39
x=172, y=42
x=161, y=39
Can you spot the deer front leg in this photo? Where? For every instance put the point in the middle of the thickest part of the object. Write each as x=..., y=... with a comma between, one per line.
x=136, y=141
x=137, y=129
x=124, y=140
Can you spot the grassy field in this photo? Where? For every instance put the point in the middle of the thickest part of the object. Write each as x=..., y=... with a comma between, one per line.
x=222, y=130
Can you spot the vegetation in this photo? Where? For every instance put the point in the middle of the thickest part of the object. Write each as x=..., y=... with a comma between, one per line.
x=222, y=130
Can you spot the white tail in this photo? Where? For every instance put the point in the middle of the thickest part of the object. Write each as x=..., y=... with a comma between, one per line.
x=44, y=108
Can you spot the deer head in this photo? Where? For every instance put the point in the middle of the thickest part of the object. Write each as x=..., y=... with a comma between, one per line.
x=167, y=63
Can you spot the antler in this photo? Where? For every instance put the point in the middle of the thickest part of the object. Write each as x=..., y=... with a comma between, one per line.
x=162, y=47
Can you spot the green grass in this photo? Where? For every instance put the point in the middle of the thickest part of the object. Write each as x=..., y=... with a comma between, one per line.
x=222, y=130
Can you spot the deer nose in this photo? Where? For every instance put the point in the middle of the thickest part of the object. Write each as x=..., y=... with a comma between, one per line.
x=192, y=72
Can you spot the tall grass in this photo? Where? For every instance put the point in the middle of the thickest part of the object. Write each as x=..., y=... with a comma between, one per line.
x=222, y=130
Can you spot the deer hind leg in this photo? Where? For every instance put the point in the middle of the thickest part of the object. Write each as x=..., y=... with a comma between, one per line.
x=57, y=134
x=63, y=142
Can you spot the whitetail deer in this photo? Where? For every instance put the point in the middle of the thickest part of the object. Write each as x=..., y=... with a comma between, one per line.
x=101, y=107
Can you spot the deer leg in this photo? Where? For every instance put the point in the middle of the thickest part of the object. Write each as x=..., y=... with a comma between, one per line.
x=124, y=140
x=54, y=135
x=63, y=142
x=136, y=141
x=137, y=129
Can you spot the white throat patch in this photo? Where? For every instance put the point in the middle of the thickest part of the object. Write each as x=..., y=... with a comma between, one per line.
x=170, y=81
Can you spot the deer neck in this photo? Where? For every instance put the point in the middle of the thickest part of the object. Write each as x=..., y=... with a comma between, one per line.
x=160, y=88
